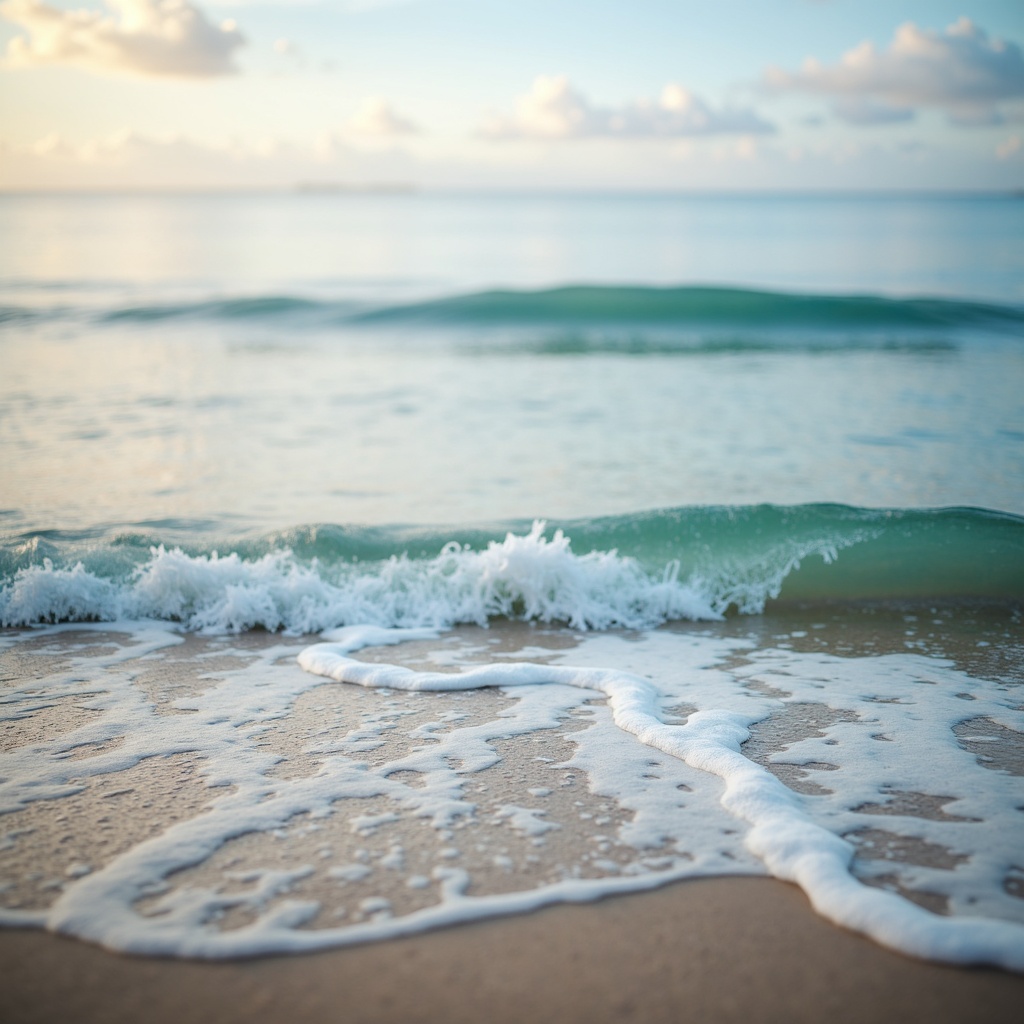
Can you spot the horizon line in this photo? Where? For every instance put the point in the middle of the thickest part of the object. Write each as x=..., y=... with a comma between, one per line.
x=412, y=190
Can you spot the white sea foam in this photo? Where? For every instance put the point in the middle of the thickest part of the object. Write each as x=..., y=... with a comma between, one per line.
x=795, y=843
x=525, y=576
x=682, y=802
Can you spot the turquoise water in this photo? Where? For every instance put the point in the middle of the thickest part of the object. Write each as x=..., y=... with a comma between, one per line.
x=348, y=378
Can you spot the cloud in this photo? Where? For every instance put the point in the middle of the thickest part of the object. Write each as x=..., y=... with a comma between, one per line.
x=129, y=159
x=377, y=118
x=554, y=110
x=961, y=71
x=146, y=37
x=141, y=160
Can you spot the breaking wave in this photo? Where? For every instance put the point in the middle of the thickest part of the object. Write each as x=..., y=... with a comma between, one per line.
x=627, y=571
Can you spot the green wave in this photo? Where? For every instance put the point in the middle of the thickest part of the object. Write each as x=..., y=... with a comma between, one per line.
x=241, y=308
x=701, y=307
x=737, y=555
x=573, y=313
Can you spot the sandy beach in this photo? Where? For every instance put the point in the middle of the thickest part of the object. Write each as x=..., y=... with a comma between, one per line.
x=713, y=950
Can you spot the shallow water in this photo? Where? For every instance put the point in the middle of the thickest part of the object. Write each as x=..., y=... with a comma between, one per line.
x=133, y=426
x=238, y=363
x=169, y=794
x=742, y=418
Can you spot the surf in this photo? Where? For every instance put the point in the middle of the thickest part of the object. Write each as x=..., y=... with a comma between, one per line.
x=633, y=571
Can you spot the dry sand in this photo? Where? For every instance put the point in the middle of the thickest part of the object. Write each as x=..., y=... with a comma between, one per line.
x=712, y=950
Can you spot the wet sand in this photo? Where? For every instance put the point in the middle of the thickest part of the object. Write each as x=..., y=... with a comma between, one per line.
x=719, y=949
x=714, y=950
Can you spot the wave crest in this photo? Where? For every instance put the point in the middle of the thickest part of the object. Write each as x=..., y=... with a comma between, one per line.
x=528, y=576
x=636, y=571
x=746, y=316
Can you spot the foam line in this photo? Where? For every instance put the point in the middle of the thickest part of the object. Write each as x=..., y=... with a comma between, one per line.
x=791, y=845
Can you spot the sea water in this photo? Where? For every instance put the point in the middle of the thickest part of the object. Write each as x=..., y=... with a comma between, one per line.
x=749, y=469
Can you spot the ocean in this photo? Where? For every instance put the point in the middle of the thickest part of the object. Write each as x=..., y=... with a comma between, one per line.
x=665, y=535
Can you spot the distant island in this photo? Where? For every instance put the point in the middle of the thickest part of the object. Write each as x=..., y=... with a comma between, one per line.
x=387, y=187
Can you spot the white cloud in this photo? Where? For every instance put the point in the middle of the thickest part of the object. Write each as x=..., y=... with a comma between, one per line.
x=554, y=110
x=146, y=37
x=376, y=117
x=961, y=71
x=128, y=159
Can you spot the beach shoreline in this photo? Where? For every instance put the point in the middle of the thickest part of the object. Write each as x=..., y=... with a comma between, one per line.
x=730, y=947
x=716, y=950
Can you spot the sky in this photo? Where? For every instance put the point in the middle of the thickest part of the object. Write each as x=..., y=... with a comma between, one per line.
x=513, y=94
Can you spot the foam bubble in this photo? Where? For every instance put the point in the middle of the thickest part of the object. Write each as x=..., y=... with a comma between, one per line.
x=524, y=576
